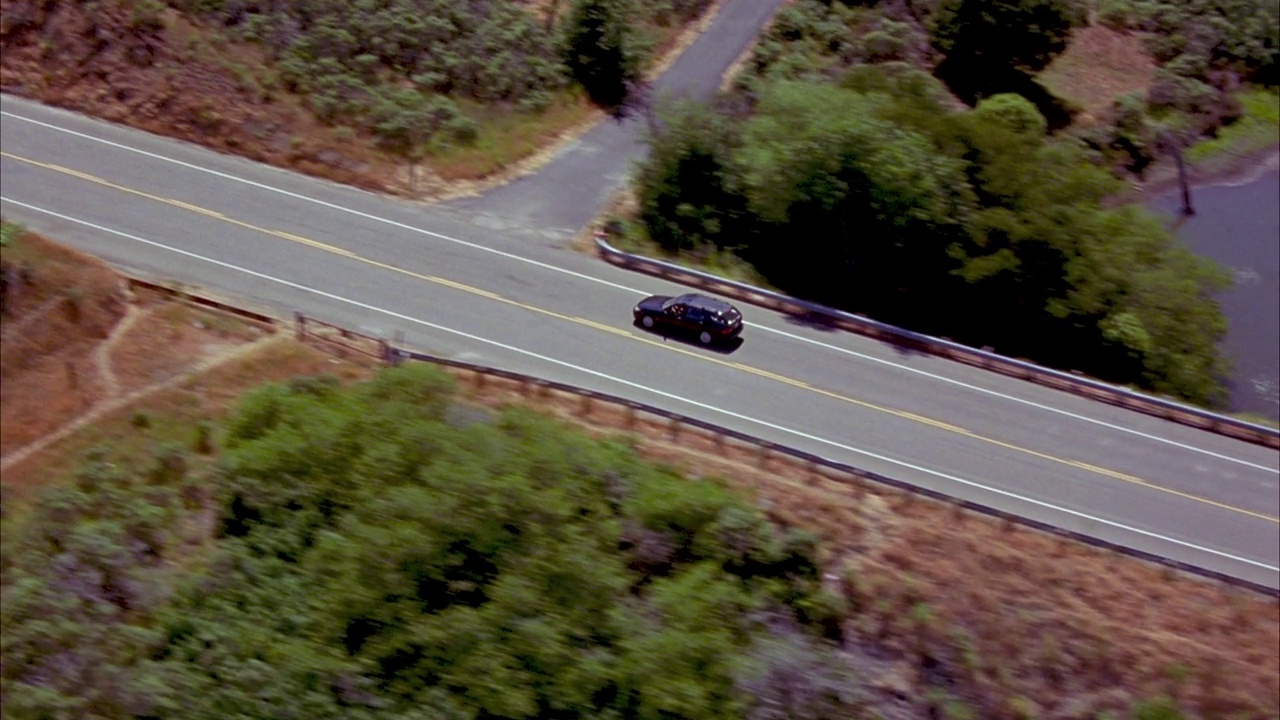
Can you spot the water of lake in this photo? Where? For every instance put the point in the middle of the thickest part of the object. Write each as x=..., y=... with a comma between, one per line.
x=1238, y=225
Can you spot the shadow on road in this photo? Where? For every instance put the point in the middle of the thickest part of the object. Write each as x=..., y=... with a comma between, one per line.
x=812, y=320
x=727, y=347
x=824, y=323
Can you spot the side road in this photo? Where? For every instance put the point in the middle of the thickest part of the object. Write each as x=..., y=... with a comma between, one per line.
x=562, y=196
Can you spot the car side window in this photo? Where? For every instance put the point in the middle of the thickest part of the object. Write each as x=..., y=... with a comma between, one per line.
x=677, y=310
x=696, y=315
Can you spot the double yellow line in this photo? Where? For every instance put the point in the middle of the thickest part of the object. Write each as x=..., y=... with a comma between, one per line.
x=913, y=417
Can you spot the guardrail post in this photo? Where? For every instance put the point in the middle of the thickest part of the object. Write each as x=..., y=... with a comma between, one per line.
x=673, y=428
x=762, y=456
x=584, y=406
x=300, y=325
x=393, y=348
x=480, y=379
x=631, y=416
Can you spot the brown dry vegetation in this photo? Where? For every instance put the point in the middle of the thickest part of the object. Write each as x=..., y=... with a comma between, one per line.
x=64, y=308
x=1099, y=65
x=1016, y=623
x=117, y=354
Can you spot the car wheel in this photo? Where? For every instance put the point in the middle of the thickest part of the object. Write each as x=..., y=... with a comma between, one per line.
x=705, y=337
x=647, y=321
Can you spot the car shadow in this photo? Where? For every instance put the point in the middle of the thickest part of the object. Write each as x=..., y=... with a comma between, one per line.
x=727, y=347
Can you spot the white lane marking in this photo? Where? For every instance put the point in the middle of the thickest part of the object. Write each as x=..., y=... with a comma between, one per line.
x=654, y=391
x=1029, y=403
x=584, y=276
x=322, y=203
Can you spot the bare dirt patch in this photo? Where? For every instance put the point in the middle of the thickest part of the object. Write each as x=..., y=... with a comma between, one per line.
x=59, y=306
x=167, y=336
x=1099, y=65
x=182, y=410
x=76, y=345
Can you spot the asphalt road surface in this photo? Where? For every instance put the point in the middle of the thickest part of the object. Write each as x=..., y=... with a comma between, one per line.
x=495, y=295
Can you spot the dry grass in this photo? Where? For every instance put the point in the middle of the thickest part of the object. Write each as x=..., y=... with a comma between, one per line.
x=174, y=415
x=59, y=365
x=1099, y=65
x=48, y=335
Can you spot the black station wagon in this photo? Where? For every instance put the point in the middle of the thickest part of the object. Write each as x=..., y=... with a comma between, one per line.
x=706, y=318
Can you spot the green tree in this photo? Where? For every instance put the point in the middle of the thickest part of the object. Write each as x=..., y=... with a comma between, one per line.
x=994, y=46
x=858, y=210
x=601, y=49
x=689, y=185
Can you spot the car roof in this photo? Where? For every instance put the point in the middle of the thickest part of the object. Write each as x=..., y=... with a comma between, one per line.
x=704, y=302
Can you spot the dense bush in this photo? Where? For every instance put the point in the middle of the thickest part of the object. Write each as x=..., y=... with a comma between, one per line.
x=356, y=63
x=811, y=39
x=1238, y=35
x=973, y=225
x=1206, y=49
x=689, y=193
x=485, y=51
x=376, y=560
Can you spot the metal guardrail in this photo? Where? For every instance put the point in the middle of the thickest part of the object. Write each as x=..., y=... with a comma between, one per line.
x=340, y=339
x=535, y=387
x=138, y=283
x=1070, y=382
x=531, y=385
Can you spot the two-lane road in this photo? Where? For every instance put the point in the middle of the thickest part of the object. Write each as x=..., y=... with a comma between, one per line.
x=456, y=287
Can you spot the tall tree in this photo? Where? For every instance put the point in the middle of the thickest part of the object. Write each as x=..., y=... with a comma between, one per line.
x=601, y=51
x=994, y=45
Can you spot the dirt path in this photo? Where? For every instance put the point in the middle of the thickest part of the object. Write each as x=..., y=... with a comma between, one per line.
x=116, y=402
x=102, y=354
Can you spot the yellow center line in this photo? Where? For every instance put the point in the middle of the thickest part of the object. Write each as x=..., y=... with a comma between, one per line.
x=195, y=208
x=913, y=417
x=294, y=238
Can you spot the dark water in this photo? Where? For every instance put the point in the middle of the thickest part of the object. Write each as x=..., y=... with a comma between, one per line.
x=1238, y=225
